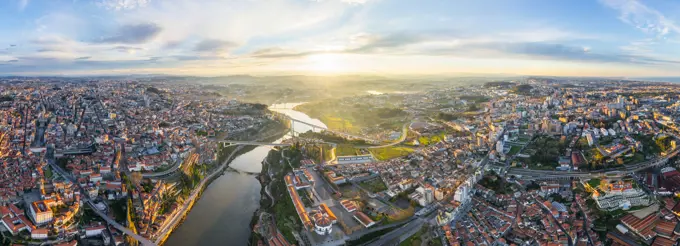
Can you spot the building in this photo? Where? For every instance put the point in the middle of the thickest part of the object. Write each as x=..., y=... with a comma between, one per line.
x=354, y=159
x=323, y=219
x=41, y=213
x=461, y=194
x=363, y=219
x=39, y=234
x=94, y=230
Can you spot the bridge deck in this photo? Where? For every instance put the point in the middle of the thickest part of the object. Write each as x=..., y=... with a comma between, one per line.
x=253, y=143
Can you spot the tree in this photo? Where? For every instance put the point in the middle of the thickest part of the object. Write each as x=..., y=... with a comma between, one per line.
x=136, y=178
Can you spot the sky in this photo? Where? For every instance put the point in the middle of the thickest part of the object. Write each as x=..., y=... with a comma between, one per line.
x=378, y=37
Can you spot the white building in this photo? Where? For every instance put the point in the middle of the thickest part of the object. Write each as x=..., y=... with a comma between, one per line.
x=40, y=213
x=499, y=147
x=461, y=194
x=604, y=132
x=39, y=234
x=611, y=132
x=354, y=159
x=94, y=230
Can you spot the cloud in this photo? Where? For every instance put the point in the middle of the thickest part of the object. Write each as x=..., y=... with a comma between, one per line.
x=642, y=17
x=47, y=49
x=355, y=1
x=123, y=4
x=546, y=51
x=127, y=49
x=213, y=45
x=83, y=58
x=133, y=34
x=450, y=45
x=387, y=42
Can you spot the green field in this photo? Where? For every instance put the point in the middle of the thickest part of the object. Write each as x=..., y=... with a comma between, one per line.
x=345, y=149
x=374, y=185
x=355, y=118
x=514, y=150
x=48, y=172
x=637, y=157
x=390, y=152
x=523, y=138
x=427, y=140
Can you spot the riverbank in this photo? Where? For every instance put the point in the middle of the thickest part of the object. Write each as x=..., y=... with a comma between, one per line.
x=274, y=199
x=178, y=218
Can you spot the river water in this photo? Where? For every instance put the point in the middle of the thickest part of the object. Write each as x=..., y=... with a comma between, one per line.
x=222, y=215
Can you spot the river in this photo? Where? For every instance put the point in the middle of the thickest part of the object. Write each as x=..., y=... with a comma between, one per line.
x=222, y=215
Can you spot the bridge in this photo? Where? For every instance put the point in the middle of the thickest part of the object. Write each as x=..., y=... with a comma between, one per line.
x=344, y=134
x=254, y=143
x=528, y=174
x=402, y=138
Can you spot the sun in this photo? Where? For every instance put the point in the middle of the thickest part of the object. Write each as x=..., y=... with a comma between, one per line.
x=326, y=63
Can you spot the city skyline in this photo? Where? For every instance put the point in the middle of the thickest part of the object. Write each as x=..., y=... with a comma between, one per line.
x=329, y=37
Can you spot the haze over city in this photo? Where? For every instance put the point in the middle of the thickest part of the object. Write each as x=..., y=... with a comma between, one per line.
x=208, y=38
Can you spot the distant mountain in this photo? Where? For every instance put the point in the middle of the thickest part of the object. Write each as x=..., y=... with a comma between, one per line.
x=659, y=79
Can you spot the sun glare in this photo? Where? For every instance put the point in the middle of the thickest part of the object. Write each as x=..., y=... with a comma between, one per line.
x=326, y=63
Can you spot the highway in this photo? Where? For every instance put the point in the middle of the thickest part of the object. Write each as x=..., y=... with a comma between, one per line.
x=393, y=237
x=109, y=220
x=543, y=174
x=162, y=173
x=404, y=134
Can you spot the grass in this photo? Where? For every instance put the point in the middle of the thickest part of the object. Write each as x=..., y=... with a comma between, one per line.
x=427, y=140
x=284, y=211
x=374, y=185
x=369, y=237
x=118, y=208
x=414, y=240
x=594, y=183
x=390, y=152
x=637, y=157
x=48, y=172
x=402, y=214
x=514, y=150
x=344, y=150
x=336, y=123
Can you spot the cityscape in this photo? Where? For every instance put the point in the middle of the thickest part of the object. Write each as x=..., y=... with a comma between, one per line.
x=532, y=161
x=339, y=123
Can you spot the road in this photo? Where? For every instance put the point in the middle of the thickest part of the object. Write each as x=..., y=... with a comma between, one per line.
x=174, y=168
x=547, y=211
x=404, y=134
x=86, y=198
x=542, y=174
x=393, y=237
